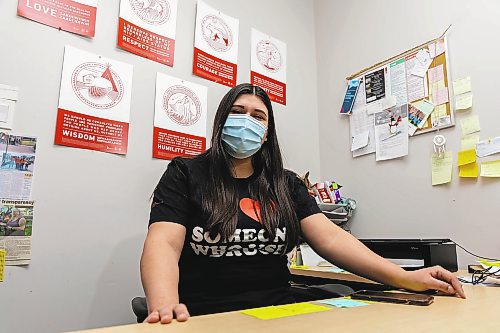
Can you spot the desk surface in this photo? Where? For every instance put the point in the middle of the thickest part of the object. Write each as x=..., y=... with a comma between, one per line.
x=478, y=313
x=325, y=272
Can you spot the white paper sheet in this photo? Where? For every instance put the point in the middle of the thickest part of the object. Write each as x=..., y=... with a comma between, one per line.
x=391, y=133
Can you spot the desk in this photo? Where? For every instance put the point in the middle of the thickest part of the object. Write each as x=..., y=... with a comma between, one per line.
x=479, y=313
x=324, y=273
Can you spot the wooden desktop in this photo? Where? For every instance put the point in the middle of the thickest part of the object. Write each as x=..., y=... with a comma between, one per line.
x=478, y=313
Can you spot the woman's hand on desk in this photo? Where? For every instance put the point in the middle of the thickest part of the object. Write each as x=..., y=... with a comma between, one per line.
x=435, y=278
x=166, y=314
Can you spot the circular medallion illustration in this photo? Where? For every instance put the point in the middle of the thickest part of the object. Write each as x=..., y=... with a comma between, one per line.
x=155, y=12
x=182, y=105
x=268, y=55
x=97, y=85
x=216, y=33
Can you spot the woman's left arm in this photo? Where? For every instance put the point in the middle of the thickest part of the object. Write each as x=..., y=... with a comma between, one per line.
x=339, y=247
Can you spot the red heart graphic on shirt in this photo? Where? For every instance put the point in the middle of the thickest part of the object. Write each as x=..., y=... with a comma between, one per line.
x=249, y=206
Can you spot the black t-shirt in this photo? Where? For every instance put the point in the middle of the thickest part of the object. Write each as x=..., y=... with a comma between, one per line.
x=249, y=269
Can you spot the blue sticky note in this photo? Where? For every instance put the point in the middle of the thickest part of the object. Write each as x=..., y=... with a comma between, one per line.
x=344, y=303
x=336, y=270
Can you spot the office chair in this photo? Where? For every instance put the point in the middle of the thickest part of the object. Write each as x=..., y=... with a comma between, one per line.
x=140, y=308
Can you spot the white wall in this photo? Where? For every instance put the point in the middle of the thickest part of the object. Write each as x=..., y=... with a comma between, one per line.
x=92, y=208
x=395, y=198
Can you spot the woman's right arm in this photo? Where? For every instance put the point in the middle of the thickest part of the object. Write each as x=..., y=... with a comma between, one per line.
x=160, y=272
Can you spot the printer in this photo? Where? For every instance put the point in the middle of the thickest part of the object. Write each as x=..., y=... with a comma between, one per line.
x=433, y=252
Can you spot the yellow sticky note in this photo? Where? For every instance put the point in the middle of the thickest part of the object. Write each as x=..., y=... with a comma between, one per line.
x=490, y=169
x=299, y=266
x=2, y=263
x=470, y=170
x=442, y=168
x=466, y=157
x=463, y=102
x=280, y=311
x=469, y=142
x=461, y=86
x=470, y=125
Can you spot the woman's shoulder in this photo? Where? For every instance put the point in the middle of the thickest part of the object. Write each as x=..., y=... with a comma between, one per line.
x=190, y=165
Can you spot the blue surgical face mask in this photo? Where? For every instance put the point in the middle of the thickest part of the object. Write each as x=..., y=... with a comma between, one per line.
x=242, y=135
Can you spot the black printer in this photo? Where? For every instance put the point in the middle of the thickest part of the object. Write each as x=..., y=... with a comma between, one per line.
x=441, y=252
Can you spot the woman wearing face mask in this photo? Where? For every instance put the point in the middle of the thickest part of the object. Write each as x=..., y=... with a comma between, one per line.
x=221, y=224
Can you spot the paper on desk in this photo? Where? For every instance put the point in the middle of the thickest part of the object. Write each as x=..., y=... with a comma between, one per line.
x=360, y=140
x=469, y=142
x=435, y=74
x=461, y=86
x=436, y=48
x=463, y=102
x=2, y=263
x=470, y=170
x=490, y=169
x=280, y=311
x=470, y=125
x=440, y=96
x=442, y=168
x=488, y=147
x=300, y=266
x=337, y=270
x=466, y=157
x=344, y=303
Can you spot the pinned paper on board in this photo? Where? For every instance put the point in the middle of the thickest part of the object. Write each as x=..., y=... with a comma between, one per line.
x=360, y=140
x=470, y=125
x=440, y=96
x=442, y=168
x=438, y=113
x=490, y=169
x=466, y=157
x=436, y=48
x=436, y=74
x=470, y=170
x=422, y=65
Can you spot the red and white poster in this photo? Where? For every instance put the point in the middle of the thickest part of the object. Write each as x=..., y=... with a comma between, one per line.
x=94, y=102
x=147, y=28
x=180, y=125
x=77, y=16
x=215, y=45
x=268, y=65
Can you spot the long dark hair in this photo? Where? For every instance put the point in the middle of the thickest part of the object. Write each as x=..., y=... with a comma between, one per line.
x=269, y=187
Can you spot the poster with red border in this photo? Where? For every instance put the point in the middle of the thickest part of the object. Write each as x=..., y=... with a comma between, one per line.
x=148, y=29
x=268, y=65
x=215, y=45
x=94, y=102
x=76, y=16
x=180, y=124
